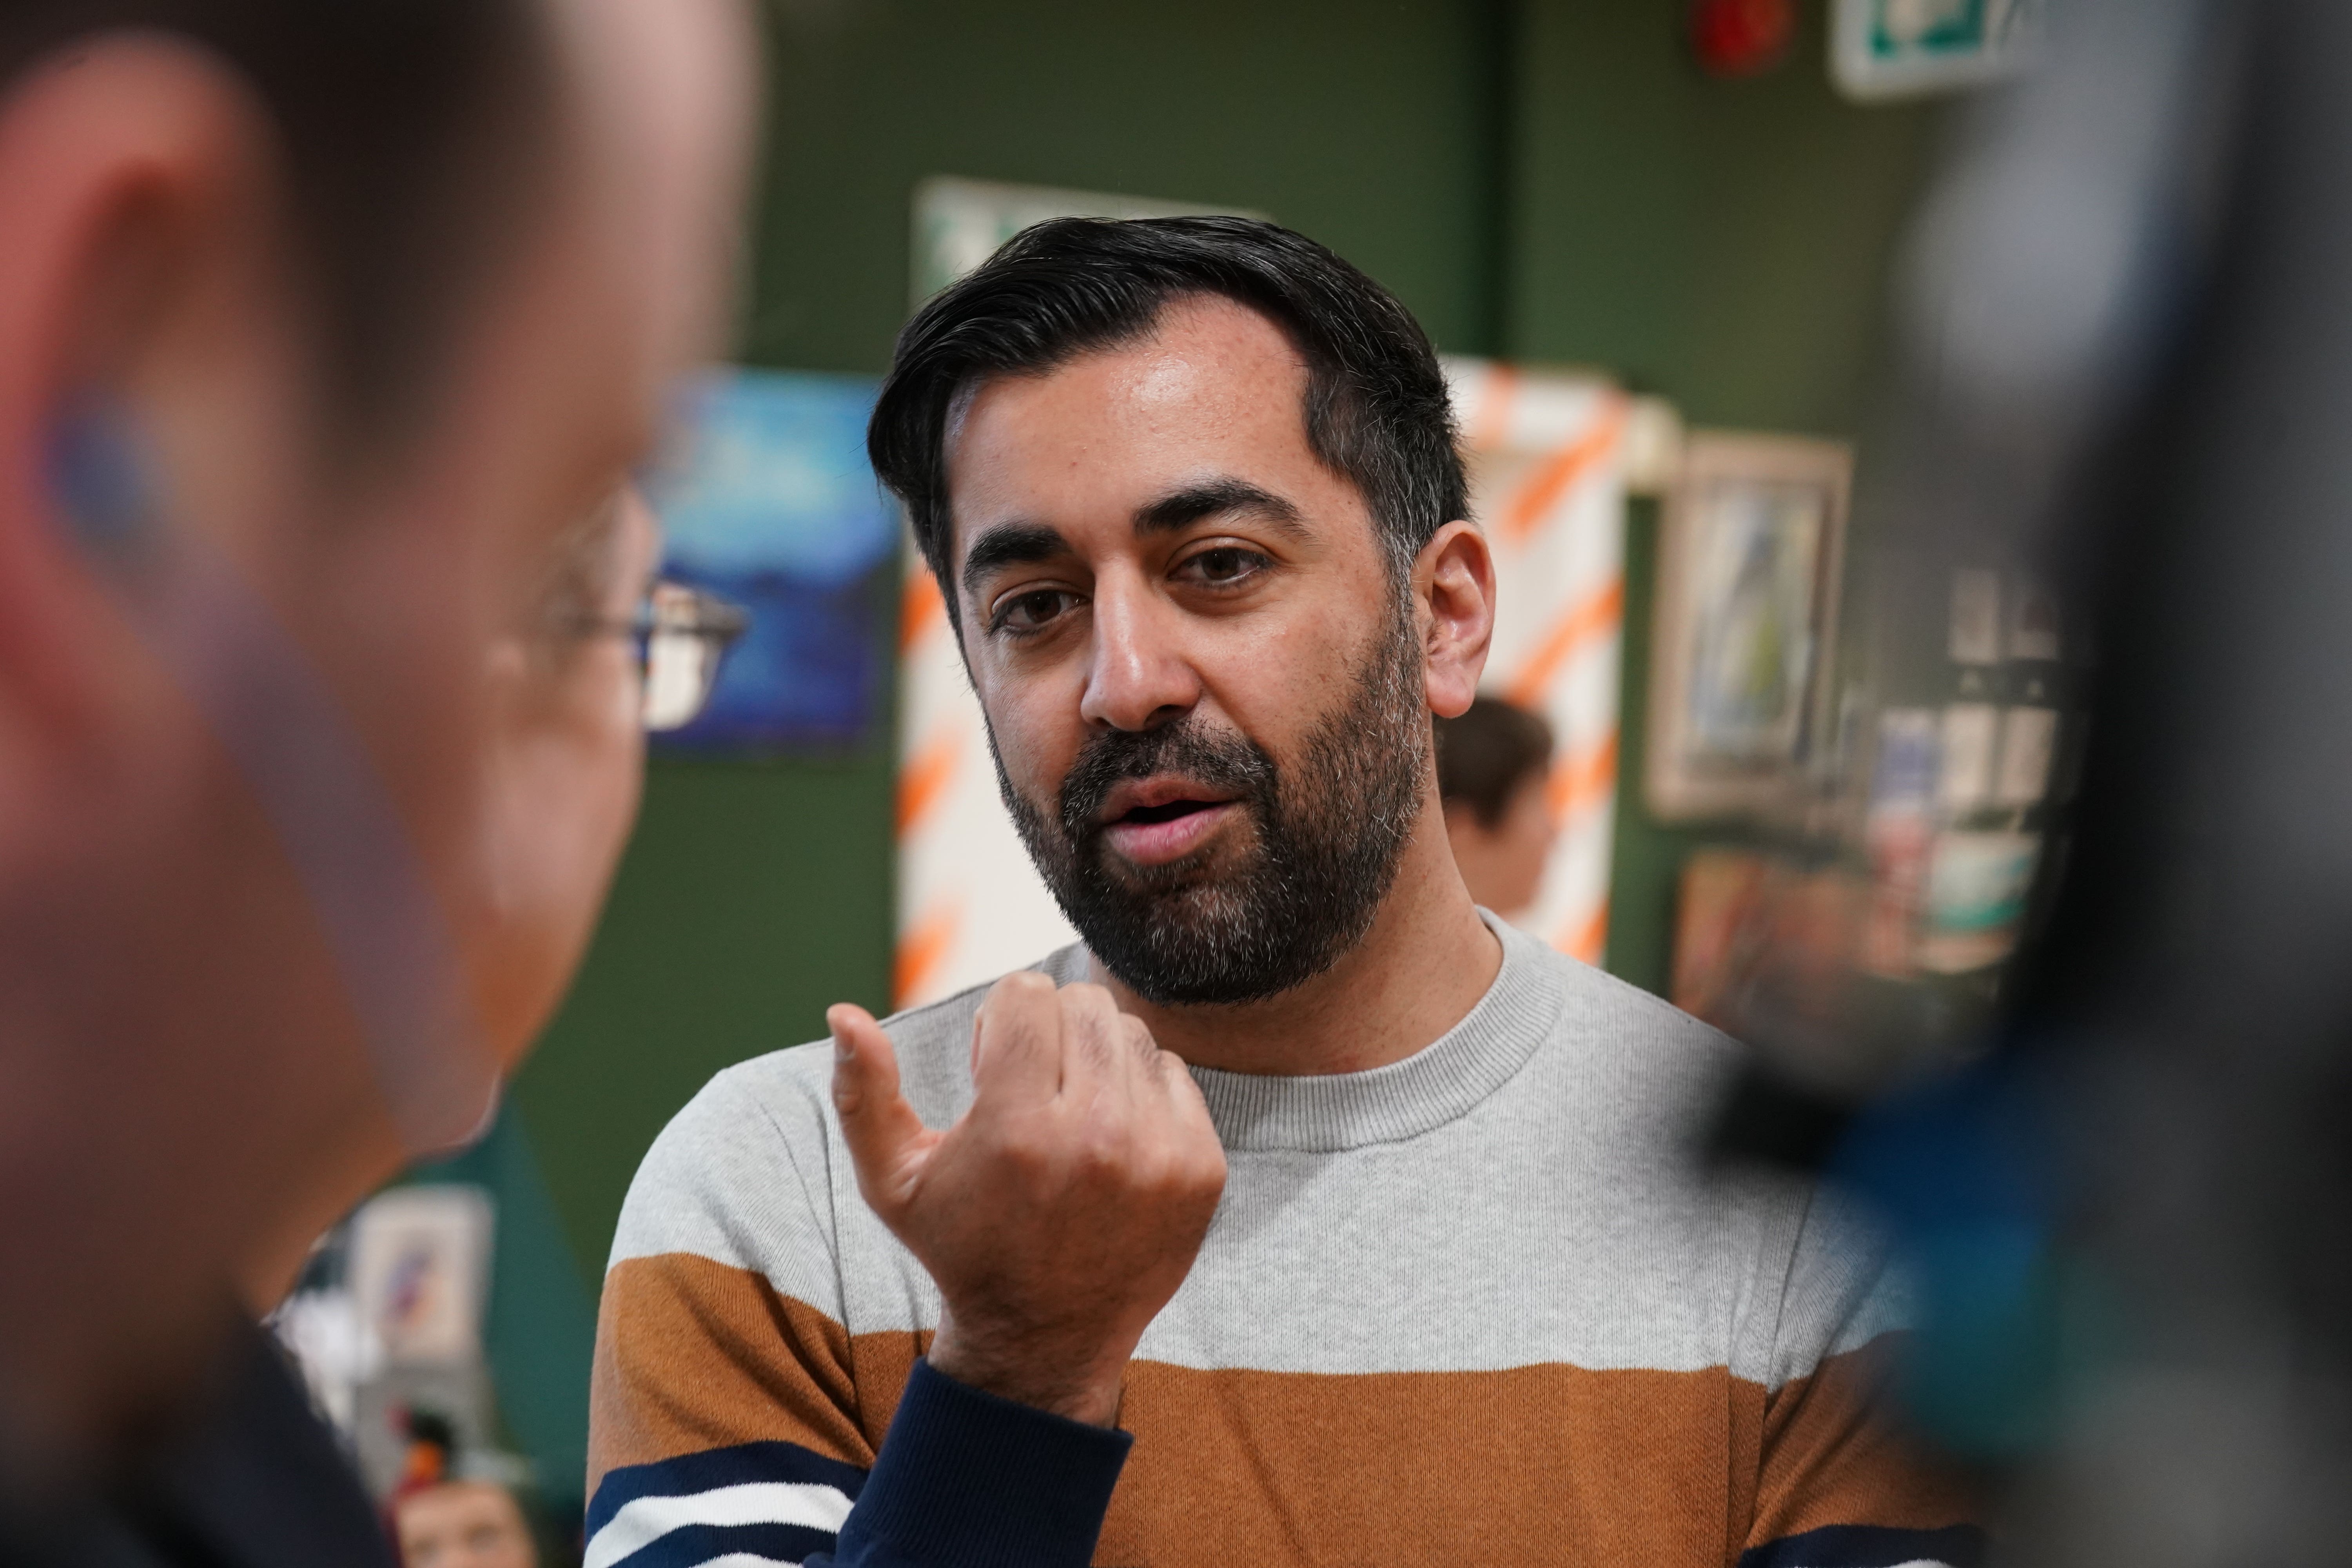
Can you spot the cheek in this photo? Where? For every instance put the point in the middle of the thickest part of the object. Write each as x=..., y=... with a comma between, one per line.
x=565, y=794
x=1036, y=743
x=1034, y=716
x=1277, y=675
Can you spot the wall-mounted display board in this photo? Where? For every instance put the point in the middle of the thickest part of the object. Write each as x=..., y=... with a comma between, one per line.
x=774, y=507
x=958, y=223
x=1548, y=453
x=1751, y=563
x=1882, y=49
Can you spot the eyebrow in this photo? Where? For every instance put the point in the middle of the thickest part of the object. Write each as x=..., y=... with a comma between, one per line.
x=1010, y=544
x=1181, y=509
x=1026, y=543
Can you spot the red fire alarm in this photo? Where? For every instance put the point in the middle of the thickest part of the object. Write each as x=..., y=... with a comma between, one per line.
x=1741, y=38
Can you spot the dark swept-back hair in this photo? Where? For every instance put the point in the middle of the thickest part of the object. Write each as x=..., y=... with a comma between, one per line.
x=406, y=131
x=1377, y=410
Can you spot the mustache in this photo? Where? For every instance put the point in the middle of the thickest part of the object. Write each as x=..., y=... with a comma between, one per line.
x=1222, y=760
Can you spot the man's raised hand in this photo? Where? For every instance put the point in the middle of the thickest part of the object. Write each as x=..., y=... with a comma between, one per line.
x=1060, y=1213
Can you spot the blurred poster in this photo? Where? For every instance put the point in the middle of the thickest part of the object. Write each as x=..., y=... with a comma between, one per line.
x=2029, y=743
x=1899, y=834
x=2033, y=631
x=420, y=1271
x=775, y=507
x=1972, y=733
x=1758, y=572
x=1976, y=617
x=1763, y=948
x=1899, y=48
x=958, y=223
x=1977, y=891
x=971, y=906
x=1548, y=453
x=1749, y=561
x=1716, y=928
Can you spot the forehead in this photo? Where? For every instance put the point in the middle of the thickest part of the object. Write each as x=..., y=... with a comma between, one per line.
x=455, y=1505
x=664, y=98
x=1215, y=390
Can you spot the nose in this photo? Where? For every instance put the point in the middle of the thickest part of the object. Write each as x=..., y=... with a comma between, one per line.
x=1139, y=679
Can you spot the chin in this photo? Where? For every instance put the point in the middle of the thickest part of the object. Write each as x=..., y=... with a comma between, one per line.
x=518, y=997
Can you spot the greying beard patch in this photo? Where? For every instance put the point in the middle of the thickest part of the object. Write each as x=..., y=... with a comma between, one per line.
x=1240, y=923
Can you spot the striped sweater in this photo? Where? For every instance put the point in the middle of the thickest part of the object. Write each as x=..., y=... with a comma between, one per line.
x=1477, y=1306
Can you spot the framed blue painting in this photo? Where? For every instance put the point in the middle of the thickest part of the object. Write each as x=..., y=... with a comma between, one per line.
x=776, y=507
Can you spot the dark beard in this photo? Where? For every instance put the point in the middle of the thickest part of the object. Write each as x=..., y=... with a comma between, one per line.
x=1236, y=923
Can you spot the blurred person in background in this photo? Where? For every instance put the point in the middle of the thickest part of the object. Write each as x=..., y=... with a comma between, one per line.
x=1494, y=777
x=462, y=1524
x=443, y=1518
x=329, y=336
x=1371, y=1224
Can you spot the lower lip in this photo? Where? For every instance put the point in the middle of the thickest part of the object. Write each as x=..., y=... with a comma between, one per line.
x=1158, y=843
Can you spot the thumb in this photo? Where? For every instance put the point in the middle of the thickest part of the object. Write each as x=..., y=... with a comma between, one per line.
x=887, y=1142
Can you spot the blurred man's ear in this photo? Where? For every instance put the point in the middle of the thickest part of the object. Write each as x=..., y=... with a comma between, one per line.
x=136, y=353
x=1454, y=594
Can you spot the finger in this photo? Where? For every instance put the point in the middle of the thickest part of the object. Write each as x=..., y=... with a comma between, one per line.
x=1138, y=1057
x=1205, y=1148
x=1016, y=1051
x=887, y=1138
x=1094, y=1036
x=1099, y=1069
x=1183, y=1092
x=1136, y=1037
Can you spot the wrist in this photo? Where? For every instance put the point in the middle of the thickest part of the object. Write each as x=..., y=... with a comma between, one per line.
x=1073, y=1389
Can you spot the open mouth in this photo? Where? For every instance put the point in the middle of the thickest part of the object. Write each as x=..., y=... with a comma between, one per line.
x=1163, y=822
x=1168, y=811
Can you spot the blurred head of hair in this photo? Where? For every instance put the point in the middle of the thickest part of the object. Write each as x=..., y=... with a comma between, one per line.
x=1494, y=770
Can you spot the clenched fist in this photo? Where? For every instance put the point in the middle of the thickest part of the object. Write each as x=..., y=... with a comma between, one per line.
x=1060, y=1213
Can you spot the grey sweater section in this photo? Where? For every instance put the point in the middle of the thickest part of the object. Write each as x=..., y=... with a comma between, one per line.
x=1524, y=1191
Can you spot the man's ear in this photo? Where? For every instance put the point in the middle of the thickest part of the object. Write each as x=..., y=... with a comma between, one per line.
x=132, y=178
x=1454, y=594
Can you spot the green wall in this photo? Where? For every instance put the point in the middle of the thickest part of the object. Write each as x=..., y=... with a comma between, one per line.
x=1545, y=179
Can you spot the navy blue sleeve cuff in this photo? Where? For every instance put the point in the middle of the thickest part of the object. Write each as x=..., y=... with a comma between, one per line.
x=967, y=1478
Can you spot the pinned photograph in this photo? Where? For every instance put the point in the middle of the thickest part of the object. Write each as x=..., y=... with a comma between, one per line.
x=775, y=507
x=420, y=1271
x=1747, y=624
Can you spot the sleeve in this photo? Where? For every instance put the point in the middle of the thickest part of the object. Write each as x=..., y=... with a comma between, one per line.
x=725, y=1425
x=1841, y=1484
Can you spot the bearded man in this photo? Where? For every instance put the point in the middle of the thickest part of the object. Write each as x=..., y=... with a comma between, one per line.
x=1366, y=1221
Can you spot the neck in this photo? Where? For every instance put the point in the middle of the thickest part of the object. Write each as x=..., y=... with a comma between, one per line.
x=1424, y=964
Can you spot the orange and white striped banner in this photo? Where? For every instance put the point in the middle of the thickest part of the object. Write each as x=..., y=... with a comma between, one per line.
x=971, y=906
x=1546, y=453
x=1546, y=477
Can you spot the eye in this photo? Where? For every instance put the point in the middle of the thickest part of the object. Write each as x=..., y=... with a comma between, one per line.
x=1032, y=610
x=1223, y=566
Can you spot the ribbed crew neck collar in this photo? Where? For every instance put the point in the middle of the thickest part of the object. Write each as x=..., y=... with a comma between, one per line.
x=1323, y=1113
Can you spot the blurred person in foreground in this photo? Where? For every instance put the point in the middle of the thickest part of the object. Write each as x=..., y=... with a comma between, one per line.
x=328, y=335
x=1494, y=781
x=1367, y=1224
